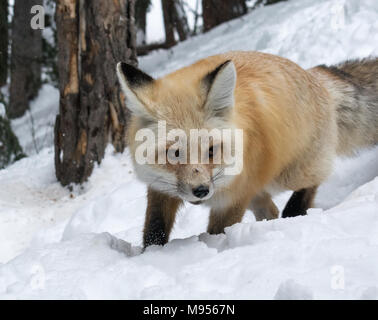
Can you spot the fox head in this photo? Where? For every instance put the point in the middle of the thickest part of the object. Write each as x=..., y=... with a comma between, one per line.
x=183, y=102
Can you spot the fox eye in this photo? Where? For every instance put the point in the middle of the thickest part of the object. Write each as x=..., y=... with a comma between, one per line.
x=211, y=152
x=177, y=153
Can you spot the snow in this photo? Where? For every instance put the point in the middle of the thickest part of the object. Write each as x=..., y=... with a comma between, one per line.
x=2, y=110
x=86, y=243
x=306, y=31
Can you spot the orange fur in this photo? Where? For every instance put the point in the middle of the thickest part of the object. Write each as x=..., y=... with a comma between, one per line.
x=286, y=113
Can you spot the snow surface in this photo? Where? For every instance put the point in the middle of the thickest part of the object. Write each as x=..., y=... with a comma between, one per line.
x=87, y=243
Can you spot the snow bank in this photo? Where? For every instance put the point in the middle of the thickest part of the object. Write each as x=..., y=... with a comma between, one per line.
x=327, y=254
x=308, y=32
x=87, y=243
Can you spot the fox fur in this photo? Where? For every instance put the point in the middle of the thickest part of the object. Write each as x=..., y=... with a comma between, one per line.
x=294, y=122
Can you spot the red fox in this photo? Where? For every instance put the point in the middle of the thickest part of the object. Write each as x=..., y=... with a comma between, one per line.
x=294, y=123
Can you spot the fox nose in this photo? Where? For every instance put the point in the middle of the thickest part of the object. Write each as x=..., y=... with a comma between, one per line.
x=201, y=191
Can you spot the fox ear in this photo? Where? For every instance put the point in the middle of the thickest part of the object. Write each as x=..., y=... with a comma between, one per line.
x=131, y=79
x=220, y=85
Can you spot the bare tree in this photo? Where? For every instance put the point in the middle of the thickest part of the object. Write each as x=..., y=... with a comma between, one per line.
x=91, y=103
x=141, y=9
x=215, y=12
x=167, y=6
x=26, y=58
x=180, y=20
x=3, y=42
x=174, y=20
x=196, y=17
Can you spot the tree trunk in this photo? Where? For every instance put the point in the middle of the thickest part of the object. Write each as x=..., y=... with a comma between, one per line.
x=174, y=19
x=10, y=150
x=168, y=7
x=25, y=59
x=3, y=42
x=215, y=12
x=180, y=20
x=91, y=103
x=49, y=45
x=141, y=9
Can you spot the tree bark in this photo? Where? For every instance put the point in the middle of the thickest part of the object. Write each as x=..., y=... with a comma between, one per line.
x=174, y=19
x=10, y=149
x=141, y=9
x=180, y=20
x=215, y=12
x=168, y=7
x=92, y=38
x=146, y=49
x=3, y=42
x=25, y=59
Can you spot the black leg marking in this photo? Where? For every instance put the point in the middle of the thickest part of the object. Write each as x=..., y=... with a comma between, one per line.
x=160, y=217
x=155, y=232
x=299, y=202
